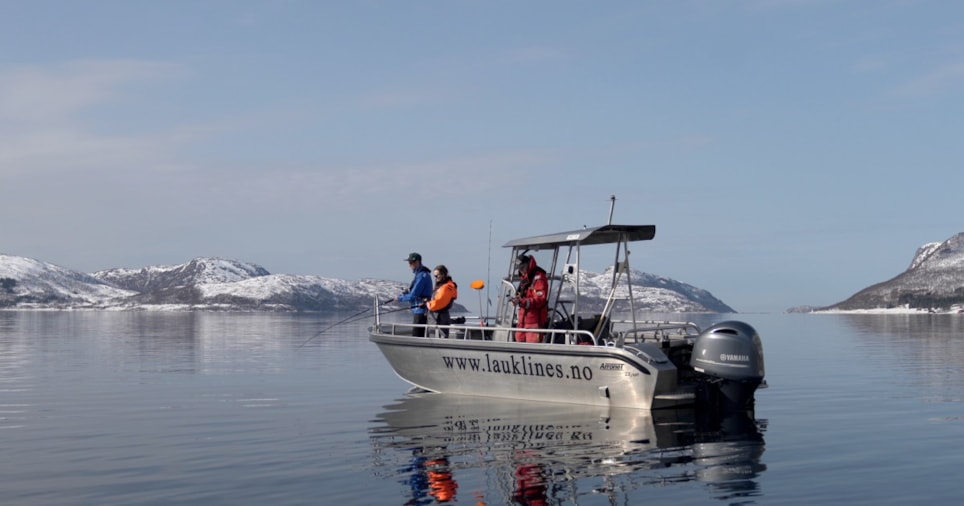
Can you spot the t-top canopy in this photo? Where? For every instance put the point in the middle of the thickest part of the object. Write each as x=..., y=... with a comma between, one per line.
x=606, y=234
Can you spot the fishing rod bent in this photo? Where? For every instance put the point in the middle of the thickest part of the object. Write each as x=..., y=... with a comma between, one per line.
x=347, y=320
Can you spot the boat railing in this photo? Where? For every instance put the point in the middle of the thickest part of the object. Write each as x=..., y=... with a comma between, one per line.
x=655, y=330
x=620, y=331
x=487, y=333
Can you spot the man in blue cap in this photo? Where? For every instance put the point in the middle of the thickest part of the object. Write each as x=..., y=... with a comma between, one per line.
x=418, y=293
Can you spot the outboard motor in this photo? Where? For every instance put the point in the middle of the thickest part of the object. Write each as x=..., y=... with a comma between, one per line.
x=729, y=358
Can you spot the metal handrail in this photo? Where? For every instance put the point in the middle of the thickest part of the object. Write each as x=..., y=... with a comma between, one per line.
x=570, y=334
x=657, y=330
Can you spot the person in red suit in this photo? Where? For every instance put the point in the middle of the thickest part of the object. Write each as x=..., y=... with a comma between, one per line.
x=531, y=299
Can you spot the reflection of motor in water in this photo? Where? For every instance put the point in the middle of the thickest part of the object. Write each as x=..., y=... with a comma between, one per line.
x=729, y=450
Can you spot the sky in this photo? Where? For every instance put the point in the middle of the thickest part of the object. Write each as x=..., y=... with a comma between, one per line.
x=789, y=152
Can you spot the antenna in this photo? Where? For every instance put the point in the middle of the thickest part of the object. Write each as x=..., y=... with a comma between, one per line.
x=488, y=276
x=612, y=205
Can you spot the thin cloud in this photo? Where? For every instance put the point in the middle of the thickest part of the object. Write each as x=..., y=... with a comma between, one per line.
x=537, y=54
x=946, y=77
x=350, y=188
x=684, y=142
x=45, y=94
x=777, y=4
x=399, y=98
x=42, y=123
x=60, y=148
x=872, y=64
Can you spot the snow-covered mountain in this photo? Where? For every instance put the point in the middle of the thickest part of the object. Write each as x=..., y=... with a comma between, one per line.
x=222, y=284
x=655, y=293
x=200, y=271
x=28, y=283
x=934, y=280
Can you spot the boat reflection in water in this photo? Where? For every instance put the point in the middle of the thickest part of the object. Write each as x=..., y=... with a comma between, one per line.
x=532, y=453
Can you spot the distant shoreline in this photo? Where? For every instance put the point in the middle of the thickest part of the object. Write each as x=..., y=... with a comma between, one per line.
x=885, y=311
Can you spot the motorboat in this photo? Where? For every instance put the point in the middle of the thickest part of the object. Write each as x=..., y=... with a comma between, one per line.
x=590, y=352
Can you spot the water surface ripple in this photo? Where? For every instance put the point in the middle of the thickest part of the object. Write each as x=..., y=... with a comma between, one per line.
x=234, y=408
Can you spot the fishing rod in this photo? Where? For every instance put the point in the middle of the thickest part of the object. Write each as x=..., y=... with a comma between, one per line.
x=349, y=319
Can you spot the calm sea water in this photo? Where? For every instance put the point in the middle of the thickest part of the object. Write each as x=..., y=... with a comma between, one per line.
x=215, y=408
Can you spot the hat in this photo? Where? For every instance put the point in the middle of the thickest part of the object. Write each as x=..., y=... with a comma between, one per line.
x=412, y=257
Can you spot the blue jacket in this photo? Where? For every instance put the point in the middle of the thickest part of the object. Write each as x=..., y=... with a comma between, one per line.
x=420, y=290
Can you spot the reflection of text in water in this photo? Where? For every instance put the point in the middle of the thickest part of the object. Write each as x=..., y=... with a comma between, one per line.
x=472, y=430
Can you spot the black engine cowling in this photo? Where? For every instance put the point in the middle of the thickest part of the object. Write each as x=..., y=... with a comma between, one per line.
x=729, y=359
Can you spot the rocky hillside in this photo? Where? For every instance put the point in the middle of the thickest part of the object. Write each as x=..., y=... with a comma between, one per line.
x=934, y=280
x=28, y=283
x=201, y=284
x=655, y=293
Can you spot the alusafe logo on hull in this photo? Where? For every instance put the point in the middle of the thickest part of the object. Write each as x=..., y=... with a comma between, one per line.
x=519, y=366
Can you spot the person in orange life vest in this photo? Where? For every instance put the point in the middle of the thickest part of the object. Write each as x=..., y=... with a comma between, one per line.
x=446, y=291
x=531, y=299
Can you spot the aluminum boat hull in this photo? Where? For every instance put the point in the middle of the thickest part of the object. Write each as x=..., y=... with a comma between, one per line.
x=589, y=375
